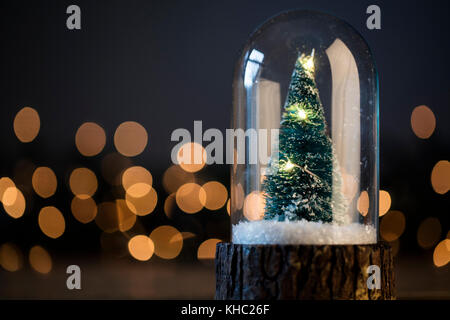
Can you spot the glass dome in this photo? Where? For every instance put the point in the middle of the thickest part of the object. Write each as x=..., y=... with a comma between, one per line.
x=305, y=118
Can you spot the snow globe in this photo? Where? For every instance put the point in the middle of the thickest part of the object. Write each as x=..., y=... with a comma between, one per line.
x=304, y=180
x=306, y=84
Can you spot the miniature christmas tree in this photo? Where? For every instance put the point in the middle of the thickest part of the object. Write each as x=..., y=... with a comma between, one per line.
x=300, y=184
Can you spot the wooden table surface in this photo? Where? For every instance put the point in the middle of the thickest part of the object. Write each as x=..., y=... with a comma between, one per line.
x=106, y=278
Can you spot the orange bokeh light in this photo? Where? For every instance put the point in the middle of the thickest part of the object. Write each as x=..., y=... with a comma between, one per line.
x=423, y=122
x=191, y=198
x=392, y=225
x=363, y=203
x=254, y=206
x=83, y=183
x=27, y=124
x=384, y=202
x=191, y=157
x=40, y=260
x=130, y=138
x=84, y=210
x=90, y=139
x=44, y=182
x=216, y=195
x=51, y=221
x=440, y=177
x=137, y=181
x=168, y=242
x=141, y=247
x=207, y=249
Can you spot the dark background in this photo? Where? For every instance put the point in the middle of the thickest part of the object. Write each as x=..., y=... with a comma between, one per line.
x=165, y=64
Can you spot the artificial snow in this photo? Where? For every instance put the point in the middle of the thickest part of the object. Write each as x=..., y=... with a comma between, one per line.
x=302, y=232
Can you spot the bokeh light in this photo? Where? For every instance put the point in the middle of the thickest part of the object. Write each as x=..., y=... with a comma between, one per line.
x=168, y=242
x=10, y=196
x=142, y=205
x=141, y=247
x=90, y=139
x=83, y=183
x=216, y=195
x=130, y=138
x=207, y=249
x=441, y=254
x=423, y=122
x=238, y=196
x=174, y=177
x=14, y=202
x=170, y=205
x=392, y=225
x=137, y=181
x=84, y=210
x=40, y=260
x=229, y=206
x=27, y=124
x=191, y=197
x=384, y=202
x=11, y=258
x=429, y=232
x=51, y=221
x=44, y=182
x=363, y=203
x=440, y=177
x=254, y=204
x=5, y=183
x=191, y=157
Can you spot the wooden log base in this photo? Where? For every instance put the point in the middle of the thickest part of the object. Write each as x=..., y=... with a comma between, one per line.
x=308, y=272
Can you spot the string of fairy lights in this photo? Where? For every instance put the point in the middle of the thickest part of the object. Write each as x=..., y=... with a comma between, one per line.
x=121, y=215
x=184, y=191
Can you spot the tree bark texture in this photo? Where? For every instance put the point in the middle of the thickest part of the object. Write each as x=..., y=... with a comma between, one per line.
x=308, y=272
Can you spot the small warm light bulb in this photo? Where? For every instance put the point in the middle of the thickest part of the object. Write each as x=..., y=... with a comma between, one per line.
x=309, y=64
x=288, y=166
x=302, y=114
